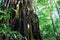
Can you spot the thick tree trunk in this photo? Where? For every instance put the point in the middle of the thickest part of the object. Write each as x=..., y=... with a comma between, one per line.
x=24, y=19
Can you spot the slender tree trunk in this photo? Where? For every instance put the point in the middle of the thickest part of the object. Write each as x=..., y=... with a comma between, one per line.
x=56, y=6
x=54, y=27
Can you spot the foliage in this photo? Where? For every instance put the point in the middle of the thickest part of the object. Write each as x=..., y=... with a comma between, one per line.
x=49, y=26
x=5, y=29
x=49, y=20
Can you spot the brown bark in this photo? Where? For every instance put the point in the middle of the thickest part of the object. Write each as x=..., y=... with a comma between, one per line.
x=23, y=18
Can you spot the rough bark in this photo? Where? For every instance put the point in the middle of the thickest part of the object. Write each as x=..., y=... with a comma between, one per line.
x=24, y=19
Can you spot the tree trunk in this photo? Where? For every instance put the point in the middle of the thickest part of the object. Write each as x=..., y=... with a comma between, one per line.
x=23, y=18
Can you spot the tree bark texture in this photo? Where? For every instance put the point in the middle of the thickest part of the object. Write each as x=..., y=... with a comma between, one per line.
x=23, y=19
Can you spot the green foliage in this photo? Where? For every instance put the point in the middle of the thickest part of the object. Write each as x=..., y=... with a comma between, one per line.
x=4, y=27
x=49, y=29
x=48, y=21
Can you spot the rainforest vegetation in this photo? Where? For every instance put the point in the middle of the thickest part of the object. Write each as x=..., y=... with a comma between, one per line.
x=29, y=19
